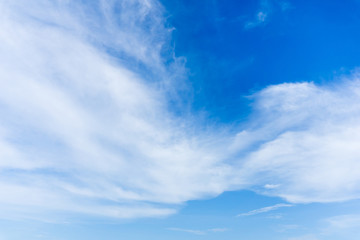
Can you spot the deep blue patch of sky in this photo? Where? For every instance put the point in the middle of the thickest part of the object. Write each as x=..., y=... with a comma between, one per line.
x=298, y=41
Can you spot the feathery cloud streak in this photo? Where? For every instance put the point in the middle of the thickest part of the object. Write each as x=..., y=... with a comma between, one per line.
x=84, y=130
x=265, y=209
x=80, y=131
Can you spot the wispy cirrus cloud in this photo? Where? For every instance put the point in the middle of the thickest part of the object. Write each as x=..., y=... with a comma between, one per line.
x=265, y=209
x=75, y=121
x=87, y=126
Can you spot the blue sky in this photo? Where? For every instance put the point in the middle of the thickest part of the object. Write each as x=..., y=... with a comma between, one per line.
x=147, y=119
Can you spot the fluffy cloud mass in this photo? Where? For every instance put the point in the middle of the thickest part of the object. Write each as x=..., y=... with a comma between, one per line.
x=86, y=124
x=309, y=146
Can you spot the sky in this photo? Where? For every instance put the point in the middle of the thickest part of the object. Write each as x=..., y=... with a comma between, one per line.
x=178, y=119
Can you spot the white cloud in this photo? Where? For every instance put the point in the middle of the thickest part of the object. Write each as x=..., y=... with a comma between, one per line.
x=304, y=140
x=265, y=209
x=83, y=129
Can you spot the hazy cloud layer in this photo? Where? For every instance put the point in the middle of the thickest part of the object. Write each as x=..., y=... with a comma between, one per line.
x=83, y=128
